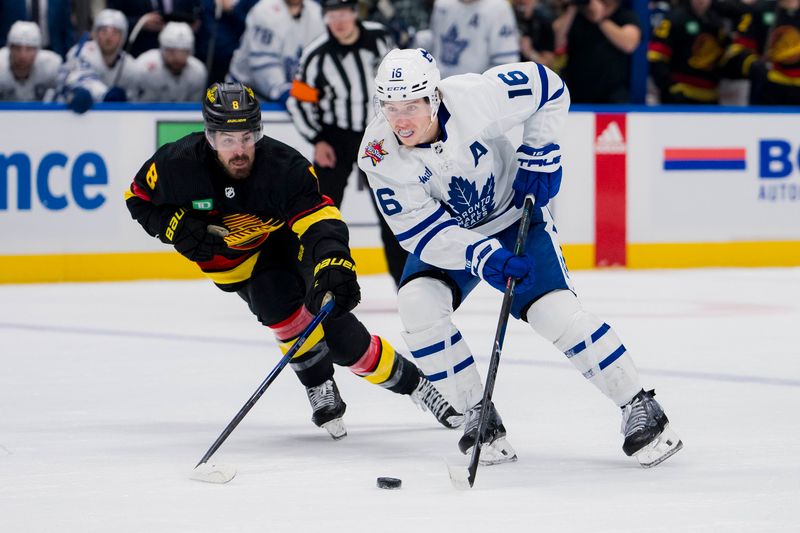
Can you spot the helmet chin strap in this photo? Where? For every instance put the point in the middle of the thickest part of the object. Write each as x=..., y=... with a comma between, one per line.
x=430, y=124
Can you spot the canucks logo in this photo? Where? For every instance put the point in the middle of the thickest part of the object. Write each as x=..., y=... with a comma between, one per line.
x=452, y=47
x=470, y=207
x=374, y=152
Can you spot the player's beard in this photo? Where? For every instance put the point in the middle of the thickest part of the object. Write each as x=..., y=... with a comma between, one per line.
x=241, y=170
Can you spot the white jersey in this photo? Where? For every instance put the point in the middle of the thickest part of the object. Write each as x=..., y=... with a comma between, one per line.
x=123, y=73
x=440, y=198
x=159, y=84
x=271, y=46
x=43, y=76
x=471, y=37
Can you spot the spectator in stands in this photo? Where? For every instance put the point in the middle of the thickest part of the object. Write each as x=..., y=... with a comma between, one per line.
x=766, y=50
x=276, y=31
x=99, y=70
x=220, y=33
x=52, y=16
x=685, y=52
x=403, y=18
x=600, y=36
x=473, y=35
x=171, y=73
x=26, y=71
x=537, y=41
x=154, y=15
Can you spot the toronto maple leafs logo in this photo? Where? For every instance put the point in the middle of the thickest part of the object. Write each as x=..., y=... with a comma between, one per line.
x=452, y=47
x=374, y=152
x=469, y=207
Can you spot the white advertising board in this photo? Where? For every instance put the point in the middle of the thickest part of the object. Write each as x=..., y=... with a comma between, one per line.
x=713, y=177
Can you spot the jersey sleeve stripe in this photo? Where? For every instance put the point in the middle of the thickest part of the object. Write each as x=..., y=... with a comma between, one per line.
x=422, y=226
x=545, y=88
x=557, y=94
x=431, y=234
x=138, y=192
x=328, y=212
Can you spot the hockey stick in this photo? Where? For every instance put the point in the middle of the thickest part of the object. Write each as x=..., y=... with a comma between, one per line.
x=220, y=473
x=465, y=479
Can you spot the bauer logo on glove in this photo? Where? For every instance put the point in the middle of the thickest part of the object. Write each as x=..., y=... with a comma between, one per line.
x=336, y=275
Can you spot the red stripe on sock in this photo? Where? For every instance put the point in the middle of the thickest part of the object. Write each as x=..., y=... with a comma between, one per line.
x=369, y=361
x=292, y=326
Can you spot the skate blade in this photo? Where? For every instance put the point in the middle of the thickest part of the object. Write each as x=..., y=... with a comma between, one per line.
x=335, y=428
x=498, y=452
x=662, y=448
x=213, y=473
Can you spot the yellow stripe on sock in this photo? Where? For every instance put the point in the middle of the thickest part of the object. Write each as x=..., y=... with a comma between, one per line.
x=385, y=364
x=316, y=336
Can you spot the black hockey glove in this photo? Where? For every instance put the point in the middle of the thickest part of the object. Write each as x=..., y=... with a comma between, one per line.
x=189, y=235
x=337, y=275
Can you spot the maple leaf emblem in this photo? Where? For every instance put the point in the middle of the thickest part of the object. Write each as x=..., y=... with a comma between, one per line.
x=374, y=152
x=469, y=206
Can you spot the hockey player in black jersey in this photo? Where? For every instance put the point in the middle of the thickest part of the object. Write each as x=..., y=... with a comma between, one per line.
x=247, y=210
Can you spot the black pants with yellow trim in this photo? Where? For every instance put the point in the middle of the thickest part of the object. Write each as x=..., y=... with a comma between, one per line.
x=275, y=293
x=332, y=182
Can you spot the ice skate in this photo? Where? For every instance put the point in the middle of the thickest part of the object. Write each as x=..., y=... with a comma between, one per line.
x=495, y=449
x=328, y=408
x=648, y=436
x=429, y=399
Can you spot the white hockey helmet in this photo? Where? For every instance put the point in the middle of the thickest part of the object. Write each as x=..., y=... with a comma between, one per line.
x=25, y=34
x=177, y=35
x=407, y=75
x=112, y=18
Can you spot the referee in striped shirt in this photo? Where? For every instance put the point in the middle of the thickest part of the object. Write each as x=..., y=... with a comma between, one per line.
x=331, y=103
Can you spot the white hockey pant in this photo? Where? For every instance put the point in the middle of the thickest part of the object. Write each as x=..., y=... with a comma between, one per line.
x=426, y=308
x=589, y=343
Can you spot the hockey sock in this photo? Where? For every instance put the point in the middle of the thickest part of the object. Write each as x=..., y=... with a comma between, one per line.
x=311, y=363
x=590, y=344
x=383, y=366
x=444, y=357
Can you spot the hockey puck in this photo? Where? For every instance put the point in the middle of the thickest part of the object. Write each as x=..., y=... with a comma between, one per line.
x=389, y=483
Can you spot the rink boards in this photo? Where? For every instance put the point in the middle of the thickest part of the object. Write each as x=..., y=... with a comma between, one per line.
x=642, y=188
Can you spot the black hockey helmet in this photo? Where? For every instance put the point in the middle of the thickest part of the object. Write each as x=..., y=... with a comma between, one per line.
x=231, y=107
x=328, y=5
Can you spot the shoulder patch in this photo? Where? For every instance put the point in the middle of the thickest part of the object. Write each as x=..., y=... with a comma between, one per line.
x=374, y=152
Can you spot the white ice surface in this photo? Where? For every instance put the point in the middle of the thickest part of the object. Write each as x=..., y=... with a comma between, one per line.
x=110, y=393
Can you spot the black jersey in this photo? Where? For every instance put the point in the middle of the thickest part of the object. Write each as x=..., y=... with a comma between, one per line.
x=765, y=50
x=280, y=195
x=684, y=55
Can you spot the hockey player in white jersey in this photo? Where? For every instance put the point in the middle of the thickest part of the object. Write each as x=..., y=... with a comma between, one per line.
x=473, y=35
x=276, y=31
x=170, y=73
x=100, y=70
x=26, y=71
x=451, y=186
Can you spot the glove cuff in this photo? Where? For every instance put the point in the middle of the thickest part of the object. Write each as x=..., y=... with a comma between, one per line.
x=546, y=159
x=478, y=254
